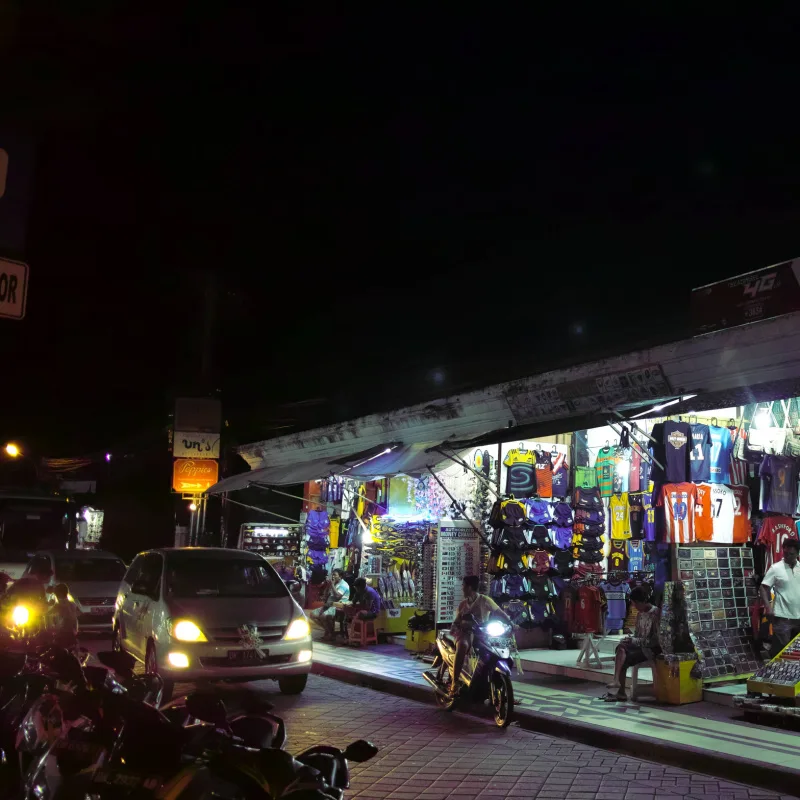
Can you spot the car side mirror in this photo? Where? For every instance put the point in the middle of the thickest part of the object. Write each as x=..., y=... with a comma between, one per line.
x=360, y=751
x=208, y=708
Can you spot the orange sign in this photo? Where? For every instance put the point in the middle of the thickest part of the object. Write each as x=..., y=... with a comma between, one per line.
x=194, y=474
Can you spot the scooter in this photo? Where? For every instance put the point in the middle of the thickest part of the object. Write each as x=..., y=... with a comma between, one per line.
x=486, y=674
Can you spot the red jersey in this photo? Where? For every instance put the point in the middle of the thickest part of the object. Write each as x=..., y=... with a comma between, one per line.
x=678, y=500
x=588, y=610
x=703, y=518
x=772, y=534
x=741, y=515
x=634, y=478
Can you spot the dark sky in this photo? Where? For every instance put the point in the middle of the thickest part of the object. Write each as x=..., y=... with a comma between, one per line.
x=392, y=205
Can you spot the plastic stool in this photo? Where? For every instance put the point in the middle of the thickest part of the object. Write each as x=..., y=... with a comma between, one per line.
x=362, y=631
x=636, y=687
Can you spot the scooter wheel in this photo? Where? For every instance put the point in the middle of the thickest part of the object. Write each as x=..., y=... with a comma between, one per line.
x=502, y=696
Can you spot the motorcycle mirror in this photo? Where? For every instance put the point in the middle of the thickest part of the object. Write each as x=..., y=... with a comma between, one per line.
x=119, y=661
x=360, y=751
x=208, y=708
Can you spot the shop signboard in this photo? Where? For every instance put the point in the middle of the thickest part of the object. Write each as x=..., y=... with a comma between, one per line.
x=590, y=395
x=13, y=288
x=762, y=294
x=16, y=190
x=188, y=444
x=194, y=475
x=458, y=554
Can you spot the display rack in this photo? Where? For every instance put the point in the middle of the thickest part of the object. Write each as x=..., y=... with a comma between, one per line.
x=781, y=675
x=271, y=540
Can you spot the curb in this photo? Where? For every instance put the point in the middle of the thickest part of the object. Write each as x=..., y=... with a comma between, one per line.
x=773, y=778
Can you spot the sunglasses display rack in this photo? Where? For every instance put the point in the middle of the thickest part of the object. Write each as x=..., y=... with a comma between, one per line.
x=720, y=590
x=781, y=676
x=271, y=541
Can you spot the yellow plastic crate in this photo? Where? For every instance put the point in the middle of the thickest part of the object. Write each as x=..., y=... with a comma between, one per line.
x=420, y=641
x=679, y=689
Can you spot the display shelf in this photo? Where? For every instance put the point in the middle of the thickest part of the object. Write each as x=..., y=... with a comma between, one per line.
x=781, y=675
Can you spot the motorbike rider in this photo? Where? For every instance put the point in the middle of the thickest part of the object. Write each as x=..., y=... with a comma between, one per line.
x=481, y=607
x=65, y=617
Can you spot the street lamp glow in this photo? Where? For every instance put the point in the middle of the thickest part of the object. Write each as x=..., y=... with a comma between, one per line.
x=12, y=450
x=192, y=506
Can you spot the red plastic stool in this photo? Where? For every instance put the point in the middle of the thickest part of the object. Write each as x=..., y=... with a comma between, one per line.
x=362, y=631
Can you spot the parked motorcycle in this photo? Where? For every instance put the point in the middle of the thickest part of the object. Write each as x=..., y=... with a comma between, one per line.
x=486, y=674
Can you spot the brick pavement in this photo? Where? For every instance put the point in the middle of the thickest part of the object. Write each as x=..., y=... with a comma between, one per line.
x=429, y=754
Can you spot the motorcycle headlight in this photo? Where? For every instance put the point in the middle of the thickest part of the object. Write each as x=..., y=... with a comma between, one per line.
x=496, y=628
x=20, y=615
x=184, y=630
x=299, y=629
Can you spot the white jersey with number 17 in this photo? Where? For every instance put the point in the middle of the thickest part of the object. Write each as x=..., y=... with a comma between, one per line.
x=723, y=511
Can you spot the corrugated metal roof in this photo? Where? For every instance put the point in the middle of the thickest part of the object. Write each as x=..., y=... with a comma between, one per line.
x=726, y=363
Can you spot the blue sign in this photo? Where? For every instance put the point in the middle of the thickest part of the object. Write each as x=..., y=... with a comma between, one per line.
x=16, y=190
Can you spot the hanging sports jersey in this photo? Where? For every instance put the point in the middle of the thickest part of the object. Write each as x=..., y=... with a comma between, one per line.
x=678, y=500
x=700, y=455
x=562, y=563
x=588, y=610
x=778, y=484
x=636, y=516
x=635, y=556
x=588, y=498
x=618, y=556
x=721, y=449
x=649, y=517
x=741, y=514
x=659, y=453
x=616, y=596
x=604, y=470
x=585, y=477
x=620, y=525
x=703, y=518
x=538, y=511
x=677, y=436
x=544, y=473
x=723, y=513
x=622, y=469
x=590, y=516
x=774, y=530
x=520, y=473
x=562, y=536
x=634, y=479
x=560, y=476
x=562, y=514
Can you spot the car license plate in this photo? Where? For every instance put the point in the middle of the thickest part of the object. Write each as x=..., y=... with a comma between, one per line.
x=100, y=610
x=246, y=656
x=128, y=780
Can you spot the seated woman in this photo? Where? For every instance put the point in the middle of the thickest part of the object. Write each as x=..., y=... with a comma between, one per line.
x=641, y=647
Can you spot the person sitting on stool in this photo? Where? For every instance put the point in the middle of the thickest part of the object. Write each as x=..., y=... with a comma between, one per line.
x=641, y=647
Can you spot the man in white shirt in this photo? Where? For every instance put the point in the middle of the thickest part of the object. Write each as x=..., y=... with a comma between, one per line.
x=783, y=580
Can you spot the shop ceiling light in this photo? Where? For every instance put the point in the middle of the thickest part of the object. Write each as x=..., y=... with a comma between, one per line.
x=762, y=419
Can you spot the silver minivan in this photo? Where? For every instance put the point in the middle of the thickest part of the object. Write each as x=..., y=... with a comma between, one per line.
x=93, y=578
x=206, y=613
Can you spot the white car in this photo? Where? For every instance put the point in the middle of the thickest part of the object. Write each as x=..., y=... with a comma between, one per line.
x=93, y=578
x=204, y=613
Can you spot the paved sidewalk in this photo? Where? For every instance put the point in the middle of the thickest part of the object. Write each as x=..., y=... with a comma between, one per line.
x=765, y=756
x=428, y=754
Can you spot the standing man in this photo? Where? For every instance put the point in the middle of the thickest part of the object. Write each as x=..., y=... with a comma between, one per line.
x=783, y=579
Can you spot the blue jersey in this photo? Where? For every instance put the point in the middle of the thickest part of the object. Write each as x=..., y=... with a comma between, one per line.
x=720, y=459
x=649, y=522
x=635, y=556
x=700, y=455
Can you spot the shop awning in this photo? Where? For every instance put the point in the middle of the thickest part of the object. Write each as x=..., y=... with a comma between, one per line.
x=716, y=368
x=392, y=459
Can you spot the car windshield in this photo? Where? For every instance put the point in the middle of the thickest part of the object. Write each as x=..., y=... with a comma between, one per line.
x=204, y=577
x=77, y=570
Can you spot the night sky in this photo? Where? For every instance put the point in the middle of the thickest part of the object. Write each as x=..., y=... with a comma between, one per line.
x=392, y=206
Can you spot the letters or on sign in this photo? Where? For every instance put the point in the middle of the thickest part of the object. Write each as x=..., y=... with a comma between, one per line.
x=590, y=395
x=194, y=474
x=458, y=554
x=765, y=293
x=195, y=445
x=13, y=288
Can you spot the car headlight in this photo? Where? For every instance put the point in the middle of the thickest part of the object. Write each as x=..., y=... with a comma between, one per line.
x=184, y=630
x=299, y=629
x=496, y=628
x=20, y=615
